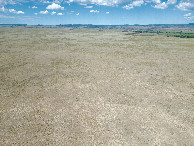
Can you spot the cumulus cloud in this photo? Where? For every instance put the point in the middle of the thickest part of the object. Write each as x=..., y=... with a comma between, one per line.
x=45, y=1
x=107, y=12
x=12, y=10
x=54, y=6
x=11, y=2
x=89, y=7
x=58, y=1
x=60, y=14
x=19, y=12
x=186, y=5
x=2, y=9
x=15, y=12
x=158, y=4
x=136, y=3
x=94, y=11
x=34, y=7
x=53, y=13
x=127, y=7
x=83, y=4
x=164, y=5
x=44, y=12
x=130, y=3
x=189, y=16
x=35, y=13
x=77, y=14
x=153, y=1
x=100, y=2
x=171, y=2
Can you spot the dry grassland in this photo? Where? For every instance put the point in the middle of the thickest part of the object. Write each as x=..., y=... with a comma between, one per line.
x=89, y=87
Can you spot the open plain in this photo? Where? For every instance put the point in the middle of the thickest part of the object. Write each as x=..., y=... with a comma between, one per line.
x=90, y=87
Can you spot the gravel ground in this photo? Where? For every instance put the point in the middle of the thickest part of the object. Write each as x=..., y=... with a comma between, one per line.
x=89, y=87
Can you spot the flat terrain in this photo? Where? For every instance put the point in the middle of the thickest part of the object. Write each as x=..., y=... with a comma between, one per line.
x=90, y=87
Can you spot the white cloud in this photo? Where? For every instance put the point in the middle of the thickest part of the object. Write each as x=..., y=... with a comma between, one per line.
x=54, y=6
x=15, y=12
x=186, y=5
x=44, y=12
x=127, y=7
x=11, y=2
x=161, y=6
x=34, y=7
x=35, y=13
x=164, y=5
x=45, y=2
x=100, y=2
x=60, y=14
x=153, y=1
x=12, y=10
x=89, y=7
x=115, y=2
x=77, y=14
x=94, y=11
x=19, y=12
x=171, y=2
x=107, y=12
x=83, y=4
x=188, y=14
x=189, y=17
x=57, y=1
x=2, y=9
x=131, y=3
x=136, y=3
x=53, y=13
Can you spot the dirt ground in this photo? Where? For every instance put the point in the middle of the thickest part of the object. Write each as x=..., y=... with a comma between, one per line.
x=90, y=87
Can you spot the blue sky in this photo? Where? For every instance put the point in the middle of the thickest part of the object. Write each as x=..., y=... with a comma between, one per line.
x=97, y=11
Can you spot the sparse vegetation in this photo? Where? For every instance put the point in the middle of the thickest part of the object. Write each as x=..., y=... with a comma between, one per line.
x=91, y=87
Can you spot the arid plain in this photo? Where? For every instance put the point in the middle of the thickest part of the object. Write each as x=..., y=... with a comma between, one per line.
x=90, y=87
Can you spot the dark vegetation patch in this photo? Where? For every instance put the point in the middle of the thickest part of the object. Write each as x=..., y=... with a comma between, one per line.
x=171, y=34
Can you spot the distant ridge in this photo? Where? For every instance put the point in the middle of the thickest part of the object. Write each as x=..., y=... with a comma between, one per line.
x=61, y=25
x=97, y=26
x=15, y=24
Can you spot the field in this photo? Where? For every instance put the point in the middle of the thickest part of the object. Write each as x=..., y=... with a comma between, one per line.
x=90, y=87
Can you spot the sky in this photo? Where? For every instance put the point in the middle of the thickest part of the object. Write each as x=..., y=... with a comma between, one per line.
x=99, y=12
